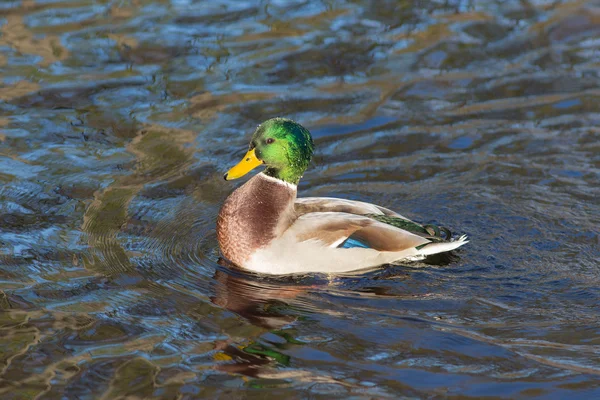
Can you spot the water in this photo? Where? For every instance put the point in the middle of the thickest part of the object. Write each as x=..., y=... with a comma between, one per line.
x=118, y=119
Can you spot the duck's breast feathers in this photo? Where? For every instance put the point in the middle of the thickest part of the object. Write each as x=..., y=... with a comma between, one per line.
x=333, y=228
x=331, y=204
x=253, y=215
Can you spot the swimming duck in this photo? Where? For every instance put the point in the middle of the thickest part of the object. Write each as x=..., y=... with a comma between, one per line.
x=263, y=227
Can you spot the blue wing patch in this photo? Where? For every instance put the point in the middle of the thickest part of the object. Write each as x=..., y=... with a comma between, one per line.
x=350, y=243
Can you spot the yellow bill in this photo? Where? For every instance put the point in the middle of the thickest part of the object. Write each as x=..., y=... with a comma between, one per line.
x=248, y=163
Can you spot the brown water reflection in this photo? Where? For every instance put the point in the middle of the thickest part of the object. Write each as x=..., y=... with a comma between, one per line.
x=118, y=118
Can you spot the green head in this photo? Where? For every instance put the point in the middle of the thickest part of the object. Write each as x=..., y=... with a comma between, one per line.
x=284, y=146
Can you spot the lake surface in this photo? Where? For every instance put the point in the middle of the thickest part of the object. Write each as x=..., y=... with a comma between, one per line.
x=118, y=119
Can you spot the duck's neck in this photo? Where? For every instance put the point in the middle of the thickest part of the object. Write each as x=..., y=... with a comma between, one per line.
x=253, y=215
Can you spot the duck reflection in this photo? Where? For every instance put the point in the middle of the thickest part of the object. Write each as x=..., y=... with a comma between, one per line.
x=261, y=302
x=274, y=304
x=267, y=303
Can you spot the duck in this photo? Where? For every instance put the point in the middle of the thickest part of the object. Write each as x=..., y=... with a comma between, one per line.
x=264, y=228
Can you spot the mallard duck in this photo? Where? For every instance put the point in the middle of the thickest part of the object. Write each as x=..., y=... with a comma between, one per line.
x=263, y=227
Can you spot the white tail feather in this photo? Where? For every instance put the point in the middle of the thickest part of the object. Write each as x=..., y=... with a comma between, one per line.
x=435, y=248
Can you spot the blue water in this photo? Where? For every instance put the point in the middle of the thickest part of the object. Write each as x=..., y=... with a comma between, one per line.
x=118, y=120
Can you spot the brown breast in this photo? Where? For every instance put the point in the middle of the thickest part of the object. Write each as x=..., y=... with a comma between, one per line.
x=252, y=216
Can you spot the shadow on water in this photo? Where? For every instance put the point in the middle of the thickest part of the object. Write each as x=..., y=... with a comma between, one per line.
x=117, y=120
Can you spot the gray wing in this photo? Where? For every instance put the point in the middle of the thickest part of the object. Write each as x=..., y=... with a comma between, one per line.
x=332, y=228
x=330, y=204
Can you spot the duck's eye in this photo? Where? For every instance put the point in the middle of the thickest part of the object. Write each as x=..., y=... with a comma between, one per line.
x=270, y=140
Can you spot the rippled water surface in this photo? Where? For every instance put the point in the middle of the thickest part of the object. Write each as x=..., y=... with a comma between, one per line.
x=119, y=117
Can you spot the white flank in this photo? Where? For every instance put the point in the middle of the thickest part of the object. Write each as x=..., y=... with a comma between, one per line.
x=291, y=257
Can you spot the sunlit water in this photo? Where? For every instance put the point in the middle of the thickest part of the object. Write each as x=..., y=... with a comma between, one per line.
x=119, y=117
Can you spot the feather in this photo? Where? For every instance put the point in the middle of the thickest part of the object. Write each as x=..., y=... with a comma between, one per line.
x=330, y=204
x=333, y=228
